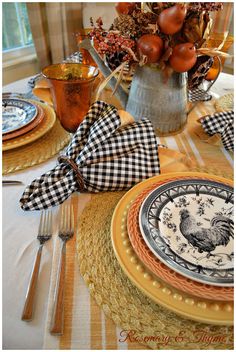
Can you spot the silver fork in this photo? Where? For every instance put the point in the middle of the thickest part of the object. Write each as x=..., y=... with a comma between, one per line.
x=66, y=232
x=44, y=234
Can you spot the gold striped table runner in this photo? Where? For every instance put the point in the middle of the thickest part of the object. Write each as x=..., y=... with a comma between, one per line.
x=86, y=326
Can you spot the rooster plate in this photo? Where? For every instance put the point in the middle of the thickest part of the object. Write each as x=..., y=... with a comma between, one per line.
x=188, y=225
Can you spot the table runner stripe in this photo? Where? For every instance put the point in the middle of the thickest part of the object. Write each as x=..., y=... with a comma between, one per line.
x=227, y=156
x=81, y=334
x=111, y=338
x=52, y=342
x=65, y=340
x=96, y=325
x=187, y=145
x=184, y=146
x=82, y=317
x=103, y=331
x=180, y=145
x=194, y=145
x=171, y=143
x=71, y=259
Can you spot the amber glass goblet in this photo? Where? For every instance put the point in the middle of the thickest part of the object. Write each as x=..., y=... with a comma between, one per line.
x=72, y=88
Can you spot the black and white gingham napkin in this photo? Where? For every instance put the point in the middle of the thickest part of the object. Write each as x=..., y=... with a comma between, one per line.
x=76, y=57
x=102, y=156
x=198, y=94
x=222, y=123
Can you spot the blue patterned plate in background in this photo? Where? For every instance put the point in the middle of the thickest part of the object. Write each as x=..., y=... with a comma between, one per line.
x=17, y=113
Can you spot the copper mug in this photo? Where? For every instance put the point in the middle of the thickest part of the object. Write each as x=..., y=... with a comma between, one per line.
x=72, y=86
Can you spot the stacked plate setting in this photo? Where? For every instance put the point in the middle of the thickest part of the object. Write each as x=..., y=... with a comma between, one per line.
x=173, y=236
x=24, y=121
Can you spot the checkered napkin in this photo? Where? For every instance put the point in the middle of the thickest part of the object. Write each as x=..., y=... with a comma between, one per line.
x=102, y=156
x=222, y=123
x=198, y=94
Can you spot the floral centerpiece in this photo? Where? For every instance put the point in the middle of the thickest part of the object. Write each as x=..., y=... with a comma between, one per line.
x=165, y=36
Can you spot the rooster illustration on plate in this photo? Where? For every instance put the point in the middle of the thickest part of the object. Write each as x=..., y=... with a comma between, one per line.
x=206, y=239
x=188, y=224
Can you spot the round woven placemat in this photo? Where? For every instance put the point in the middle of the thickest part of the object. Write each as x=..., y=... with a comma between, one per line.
x=122, y=301
x=224, y=103
x=36, y=152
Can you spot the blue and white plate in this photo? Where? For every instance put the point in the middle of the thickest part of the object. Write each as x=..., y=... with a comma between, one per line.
x=17, y=113
x=188, y=225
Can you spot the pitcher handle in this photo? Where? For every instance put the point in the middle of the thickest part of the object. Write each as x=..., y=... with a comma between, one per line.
x=219, y=71
x=220, y=66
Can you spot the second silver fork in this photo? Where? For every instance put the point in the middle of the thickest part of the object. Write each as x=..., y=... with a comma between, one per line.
x=66, y=232
x=44, y=234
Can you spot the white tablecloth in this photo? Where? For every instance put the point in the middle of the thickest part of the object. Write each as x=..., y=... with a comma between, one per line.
x=20, y=245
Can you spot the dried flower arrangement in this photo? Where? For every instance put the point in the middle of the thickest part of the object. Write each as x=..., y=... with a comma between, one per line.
x=166, y=34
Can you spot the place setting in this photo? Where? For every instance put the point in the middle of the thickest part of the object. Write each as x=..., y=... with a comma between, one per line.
x=118, y=182
x=161, y=298
x=24, y=122
x=146, y=233
x=29, y=125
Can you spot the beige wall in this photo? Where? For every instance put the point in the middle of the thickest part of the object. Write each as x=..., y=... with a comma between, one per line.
x=18, y=70
x=99, y=9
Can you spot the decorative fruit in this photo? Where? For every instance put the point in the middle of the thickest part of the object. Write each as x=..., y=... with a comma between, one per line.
x=198, y=72
x=171, y=19
x=151, y=46
x=212, y=74
x=214, y=70
x=124, y=8
x=183, y=57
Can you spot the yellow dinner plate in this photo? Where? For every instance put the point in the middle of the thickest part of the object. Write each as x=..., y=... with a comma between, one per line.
x=44, y=127
x=191, y=307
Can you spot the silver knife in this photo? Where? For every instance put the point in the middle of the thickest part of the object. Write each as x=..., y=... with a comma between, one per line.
x=11, y=182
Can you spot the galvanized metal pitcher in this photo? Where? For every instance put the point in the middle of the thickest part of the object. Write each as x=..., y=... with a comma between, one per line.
x=162, y=102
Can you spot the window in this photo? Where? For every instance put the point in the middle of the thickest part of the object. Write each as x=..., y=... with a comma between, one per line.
x=17, y=41
x=16, y=28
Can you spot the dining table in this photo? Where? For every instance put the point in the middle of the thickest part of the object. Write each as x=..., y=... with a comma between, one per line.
x=103, y=309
